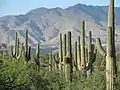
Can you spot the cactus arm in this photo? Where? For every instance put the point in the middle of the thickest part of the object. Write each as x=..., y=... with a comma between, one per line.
x=20, y=54
x=12, y=48
x=100, y=48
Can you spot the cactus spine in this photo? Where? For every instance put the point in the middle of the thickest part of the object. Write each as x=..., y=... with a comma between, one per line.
x=68, y=59
x=110, y=49
x=78, y=54
x=60, y=52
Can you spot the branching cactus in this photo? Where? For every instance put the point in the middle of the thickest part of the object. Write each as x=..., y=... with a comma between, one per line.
x=68, y=59
x=111, y=20
x=91, y=54
x=16, y=53
x=110, y=50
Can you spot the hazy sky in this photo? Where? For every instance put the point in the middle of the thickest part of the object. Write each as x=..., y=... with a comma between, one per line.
x=13, y=7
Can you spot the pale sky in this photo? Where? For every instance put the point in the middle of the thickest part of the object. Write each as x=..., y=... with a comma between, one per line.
x=14, y=7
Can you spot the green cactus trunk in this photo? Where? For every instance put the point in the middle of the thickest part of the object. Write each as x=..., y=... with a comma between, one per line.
x=109, y=62
x=26, y=45
x=89, y=53
x=38, y=50
x=55, y=62
x=17, y=46
x=111, y=69
x=68, y=59
x=78, y=54
x=83, y=61
x=37, y=58
x=75, y=56
x=60, y=52
x=16, y=43
x=111, y=20
x=64, y=52
x=50, y=61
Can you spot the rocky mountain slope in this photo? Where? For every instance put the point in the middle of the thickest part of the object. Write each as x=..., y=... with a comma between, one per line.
x=44, y=24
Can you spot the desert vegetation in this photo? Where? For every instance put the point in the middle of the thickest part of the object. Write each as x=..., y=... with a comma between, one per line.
x=88, y=66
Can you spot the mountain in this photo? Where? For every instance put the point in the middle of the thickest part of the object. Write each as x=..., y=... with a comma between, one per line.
x=45, y=24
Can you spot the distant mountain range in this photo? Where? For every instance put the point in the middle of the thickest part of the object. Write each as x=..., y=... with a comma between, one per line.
x=45, y=24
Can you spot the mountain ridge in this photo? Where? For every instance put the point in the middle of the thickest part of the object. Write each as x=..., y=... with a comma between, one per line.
x=45, y=24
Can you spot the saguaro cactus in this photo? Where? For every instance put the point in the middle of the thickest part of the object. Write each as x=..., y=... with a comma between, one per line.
x=75, y=56
x=83, y=61
x=68, y=59
x=111, y=20
x=78, y=54
x=50, y=61
x=15, y=53
x=64, y=52
x=109, y=59
x=90, y=53
x=60, y=52
x=110, y=50
x=37, y=57
x=27, y=49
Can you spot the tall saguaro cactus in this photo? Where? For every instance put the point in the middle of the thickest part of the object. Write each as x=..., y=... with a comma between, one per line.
x=111, y=20
x=83, y=61
x=78, y=54
x=27, y=49
x=75, y=56
x=26, y=44
x=90, y=53
x=110, y=49
x=64, y=51
x=37, y=58
x=50, y=61
x=68, y=59
x=60, y=52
